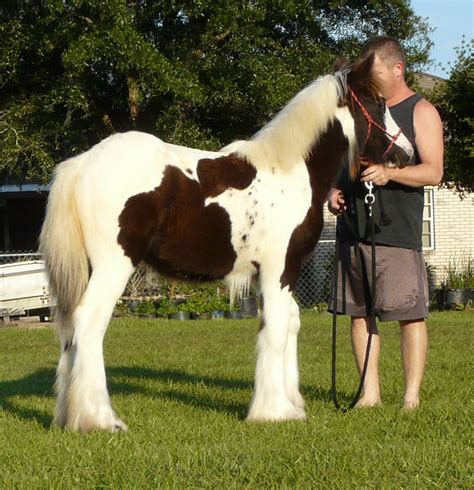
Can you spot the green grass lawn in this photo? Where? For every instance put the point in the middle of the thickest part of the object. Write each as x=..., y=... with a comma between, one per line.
x=183, y=389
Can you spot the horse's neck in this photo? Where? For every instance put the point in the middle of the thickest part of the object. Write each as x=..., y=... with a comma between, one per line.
x=326, y=159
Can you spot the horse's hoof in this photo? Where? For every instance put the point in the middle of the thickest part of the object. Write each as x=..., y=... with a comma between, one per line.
x=297, y=400
x=91, y=422
x=290, y=412
x=119, y=426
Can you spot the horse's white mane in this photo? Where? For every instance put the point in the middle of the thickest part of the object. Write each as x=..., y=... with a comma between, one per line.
x=287, y=139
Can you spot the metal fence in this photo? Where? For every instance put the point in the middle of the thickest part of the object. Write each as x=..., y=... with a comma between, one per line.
x=11, y=257
x=313, y=286
x=314, y=283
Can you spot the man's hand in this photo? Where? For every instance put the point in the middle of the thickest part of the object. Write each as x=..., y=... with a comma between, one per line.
x=336, y=202
x=379, y=174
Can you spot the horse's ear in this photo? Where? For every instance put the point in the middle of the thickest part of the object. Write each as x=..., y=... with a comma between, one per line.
x=340, y=63
x=362, y=76
x=362, y=70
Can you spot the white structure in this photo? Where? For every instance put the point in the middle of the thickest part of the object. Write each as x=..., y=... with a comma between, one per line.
x=23, y=286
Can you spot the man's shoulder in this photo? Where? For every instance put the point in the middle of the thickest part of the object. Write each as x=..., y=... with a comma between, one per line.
x=424, y=105
x=425, y=110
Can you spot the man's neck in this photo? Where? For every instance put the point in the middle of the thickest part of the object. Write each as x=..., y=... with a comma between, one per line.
x=400, y=93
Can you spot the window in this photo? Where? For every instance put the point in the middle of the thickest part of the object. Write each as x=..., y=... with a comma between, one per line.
x=428, y=222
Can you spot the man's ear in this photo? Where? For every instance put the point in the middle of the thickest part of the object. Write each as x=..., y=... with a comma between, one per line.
x=399, y=69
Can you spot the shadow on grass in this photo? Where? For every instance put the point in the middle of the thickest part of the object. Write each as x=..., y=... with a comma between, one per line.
x=37, y=384
x=183, y=388
x=325, y=395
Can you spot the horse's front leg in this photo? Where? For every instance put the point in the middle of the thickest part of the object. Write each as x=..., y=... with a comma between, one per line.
x=270, y=400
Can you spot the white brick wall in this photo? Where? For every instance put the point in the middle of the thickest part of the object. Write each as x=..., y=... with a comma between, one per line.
x=453, y=229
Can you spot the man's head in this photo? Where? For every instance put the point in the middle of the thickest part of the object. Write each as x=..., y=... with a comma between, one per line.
x=389, y=63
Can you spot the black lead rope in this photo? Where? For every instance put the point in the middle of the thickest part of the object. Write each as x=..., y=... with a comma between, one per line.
x=370, y=198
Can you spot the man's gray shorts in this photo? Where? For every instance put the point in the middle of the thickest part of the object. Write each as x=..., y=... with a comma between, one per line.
x=401, y=283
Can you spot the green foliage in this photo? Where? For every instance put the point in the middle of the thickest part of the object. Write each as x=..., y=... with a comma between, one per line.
x=194, y=73
x=321, y=307
x=122, y=309
x=219, y=303
x=146, y=308
x=166, y=307
x=455, y=101
x=196, y=304
x=460, y=273
x=201, y=297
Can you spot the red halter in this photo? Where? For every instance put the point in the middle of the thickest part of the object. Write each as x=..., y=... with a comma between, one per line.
x=371, y=123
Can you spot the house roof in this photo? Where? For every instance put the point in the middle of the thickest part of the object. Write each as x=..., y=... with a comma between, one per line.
x=426, y=81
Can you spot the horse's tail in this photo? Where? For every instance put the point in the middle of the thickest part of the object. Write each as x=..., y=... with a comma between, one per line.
x=62, y=242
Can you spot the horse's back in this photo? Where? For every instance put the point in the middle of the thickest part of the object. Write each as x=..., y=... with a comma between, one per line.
x=137, y=156
x=132, y=151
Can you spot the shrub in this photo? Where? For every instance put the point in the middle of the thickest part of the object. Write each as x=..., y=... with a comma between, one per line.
x=146, y=308
x=459, y=273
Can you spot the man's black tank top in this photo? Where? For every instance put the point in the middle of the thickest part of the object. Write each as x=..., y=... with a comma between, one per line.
x=398, y=209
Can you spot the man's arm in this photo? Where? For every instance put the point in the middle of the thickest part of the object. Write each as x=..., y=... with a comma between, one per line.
x=429, y=143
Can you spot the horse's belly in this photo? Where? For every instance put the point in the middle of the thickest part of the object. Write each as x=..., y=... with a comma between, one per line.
x=195, y=244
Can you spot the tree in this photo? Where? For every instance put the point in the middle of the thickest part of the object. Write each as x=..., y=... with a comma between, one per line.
x=199, y=73
x=455, y=101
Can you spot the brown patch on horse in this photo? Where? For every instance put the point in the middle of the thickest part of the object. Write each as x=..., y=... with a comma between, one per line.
x=216, y=175
x=324, y=163
x=172, y=230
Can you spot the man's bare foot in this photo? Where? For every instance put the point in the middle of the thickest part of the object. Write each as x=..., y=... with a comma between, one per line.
x=368, y=402
x=411, y=404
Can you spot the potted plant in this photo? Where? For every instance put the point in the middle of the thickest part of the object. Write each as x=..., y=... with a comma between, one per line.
x=164, y=308
x=146, y=309
x=233, y=312
x=196, y=307
x=133, y=305
x=248, y=306
x=218, y=306
x=458, y=287
x=182, y=311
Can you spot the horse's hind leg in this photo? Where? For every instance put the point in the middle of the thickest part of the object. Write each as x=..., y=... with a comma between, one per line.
x=87, y=404
x=291, y=357
x=63, y=372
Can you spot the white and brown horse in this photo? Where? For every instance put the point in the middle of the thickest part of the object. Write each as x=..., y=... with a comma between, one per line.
x=253, y=210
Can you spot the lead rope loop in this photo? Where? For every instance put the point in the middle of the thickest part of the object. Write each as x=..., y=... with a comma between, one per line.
x=369, y=201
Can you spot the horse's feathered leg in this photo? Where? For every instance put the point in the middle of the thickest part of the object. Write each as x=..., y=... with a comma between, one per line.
x=291, y=357
x=270, y=400
x=63, y=372
x=88, y=403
